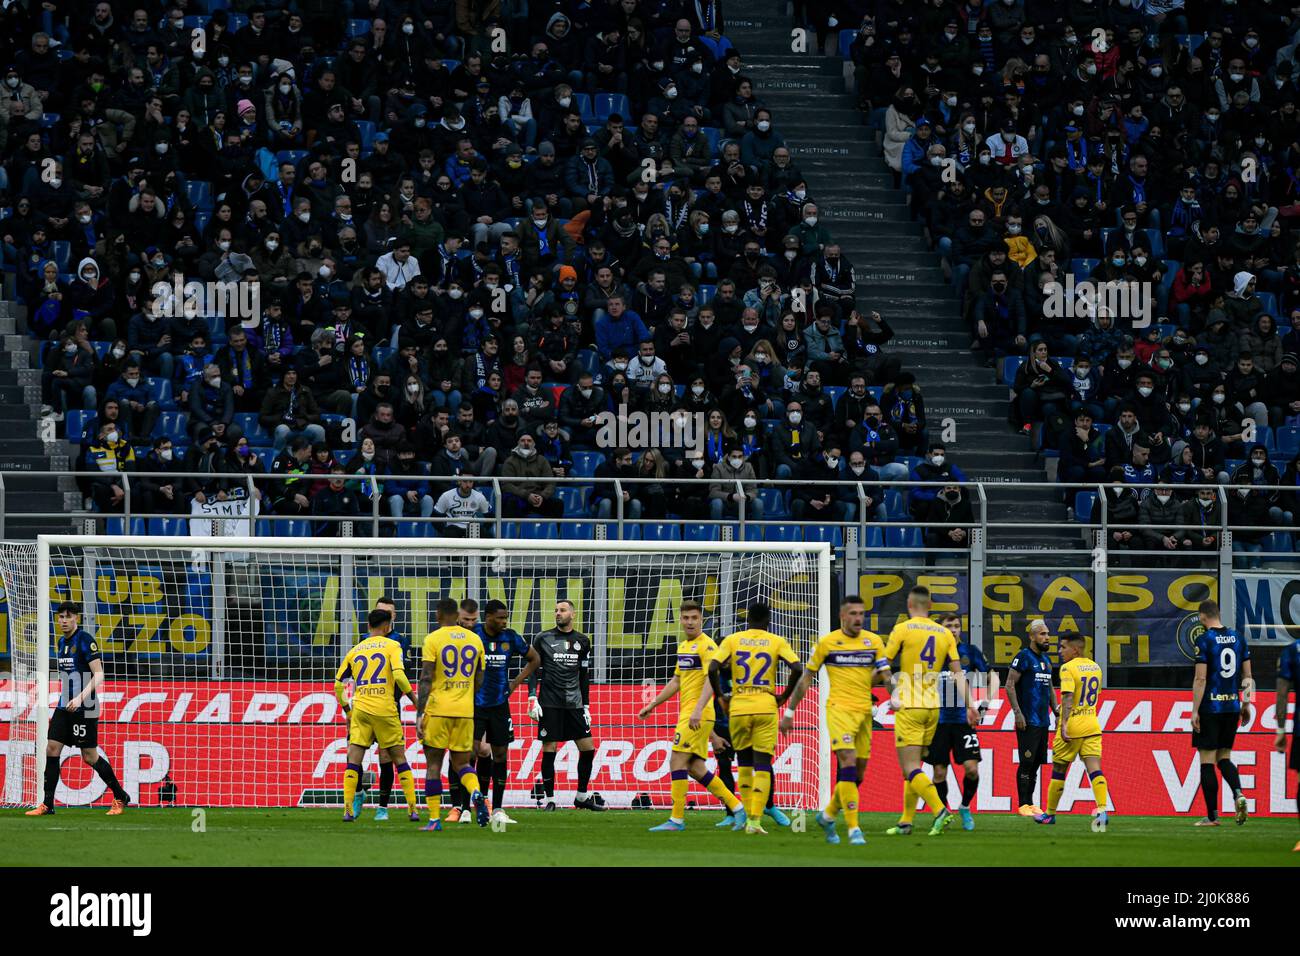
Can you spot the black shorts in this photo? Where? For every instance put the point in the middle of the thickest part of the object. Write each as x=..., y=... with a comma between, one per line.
x=74, y=729
x=1032, y=744
x=494, y=724
x=1218, y=731
x=563, y=723
x=959, y=740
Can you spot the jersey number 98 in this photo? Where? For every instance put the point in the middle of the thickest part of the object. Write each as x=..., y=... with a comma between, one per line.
x=458, y=661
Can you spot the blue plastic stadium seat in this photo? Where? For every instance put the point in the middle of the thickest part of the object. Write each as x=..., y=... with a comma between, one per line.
x=714, y=136
x=701, y=532
x=194, y=22
x=253, y=430
x=236, y=22
x=367, y=130
x=167, y=527
x=577, y=531
x=535, y=530
x=62, y=250
x=358, y=28
x=199, y=193
x=753, y=532
x=414, y=529
x=294, y=156
x=661, y=531
x=833, y=392
x=1269, y=301
x=585, y=463
x=783, y=532
x=582, y=102
x=118, y=526
x=160, y=391
x=833, y=534
x=588, y=360
x=574, y=498
x=904, y=542
x=1277, y=542
x=773, y=503
x=706, y=293
x=172, y=425
x=74, y=423
x=1010, y=366
x=1264, y=435
x=267, y=456
x=609, y=103
x=1084, y=502
x=1286, y=441
x=1082, y=268
x=895, y=505
x=846, y=42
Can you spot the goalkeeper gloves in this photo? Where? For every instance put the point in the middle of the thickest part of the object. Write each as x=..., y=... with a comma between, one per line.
x=586, y=713
x=534, y=709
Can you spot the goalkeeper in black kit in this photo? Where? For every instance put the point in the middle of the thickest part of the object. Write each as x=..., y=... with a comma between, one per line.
x=561, y=706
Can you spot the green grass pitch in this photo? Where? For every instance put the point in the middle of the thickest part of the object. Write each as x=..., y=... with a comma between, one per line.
x=164, y=837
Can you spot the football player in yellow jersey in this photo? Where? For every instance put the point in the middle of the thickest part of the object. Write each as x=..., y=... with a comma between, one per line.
x=452, y=671
x=694, y=718
x=1078, y=732
x=753, y=655
x=855, y=661
x=379, y=680
x=923, y=648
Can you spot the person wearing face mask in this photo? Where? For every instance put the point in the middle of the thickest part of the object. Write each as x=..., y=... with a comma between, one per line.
x=1154, y=412
x=580, y=408
x=159, y=495
x=1248, y=509
x=212, y=406
x=107, y=456
x=1083, y=454
x=813, y=236
x=1042, y=385
x=133, y=399
x=950, y=508
x=93, y=294
x=935, y=466
x=1257, y=470
x=525, y=491
x=724, y=498
x=1159, y=515
x=814, y=497
x=794, y=443
x=1203, y=516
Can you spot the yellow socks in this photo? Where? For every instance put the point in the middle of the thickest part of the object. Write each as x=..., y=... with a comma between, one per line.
x=715, y=787
x=1056, y=788
x=759, y=790
x=433, y=796
x=406, y=778
x=469, y=779
x=745, y=784
x=846, y=796
x=351, y=777
x=681, y=783
x=1099, y=790
x=909, y=804
x=925, y=789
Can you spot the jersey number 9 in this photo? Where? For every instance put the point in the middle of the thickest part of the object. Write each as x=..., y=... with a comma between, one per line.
x=1227, y=662
x=454, y=661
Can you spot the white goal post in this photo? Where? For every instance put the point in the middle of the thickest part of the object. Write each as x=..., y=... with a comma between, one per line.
x=220, y=654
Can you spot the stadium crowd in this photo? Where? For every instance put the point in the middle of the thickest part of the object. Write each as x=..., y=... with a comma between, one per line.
x=472, y=230
x=1151, y=148
x=475, y=228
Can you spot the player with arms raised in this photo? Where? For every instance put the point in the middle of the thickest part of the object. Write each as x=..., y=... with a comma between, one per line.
x=492, y=722
x=1288, y=676
x=954, y=738
x=923, y=648
x=562, y=706
x=450, y=675
x=855, y=661
x=1078, y=732
x=1222, y=669
x=753, y=655
x=378, y=680
x=76, y=722
x=695, y=718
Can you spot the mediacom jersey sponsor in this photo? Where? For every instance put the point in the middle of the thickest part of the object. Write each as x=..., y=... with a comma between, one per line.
x=247, y=744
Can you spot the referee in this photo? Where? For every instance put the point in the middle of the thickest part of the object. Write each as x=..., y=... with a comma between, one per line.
x=1029, y=691
x=76, y=722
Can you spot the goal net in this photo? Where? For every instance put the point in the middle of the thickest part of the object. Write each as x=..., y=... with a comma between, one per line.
x=220, y=655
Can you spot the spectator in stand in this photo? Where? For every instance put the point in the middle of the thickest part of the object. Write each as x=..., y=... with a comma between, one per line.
x=159, y=494
x=459, y=506
x=1248, y=519
x=289, y=410
x=1042, y=388
x=1083, y=455
x=816, y=497
x=1160, y=516
x=335, y=500
x=950, y=518
x=733, y=485
x=133, y=400
x=524, y=494
x=406, y=484
x=107, y=457
x=212, y=405
x=289, y=497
